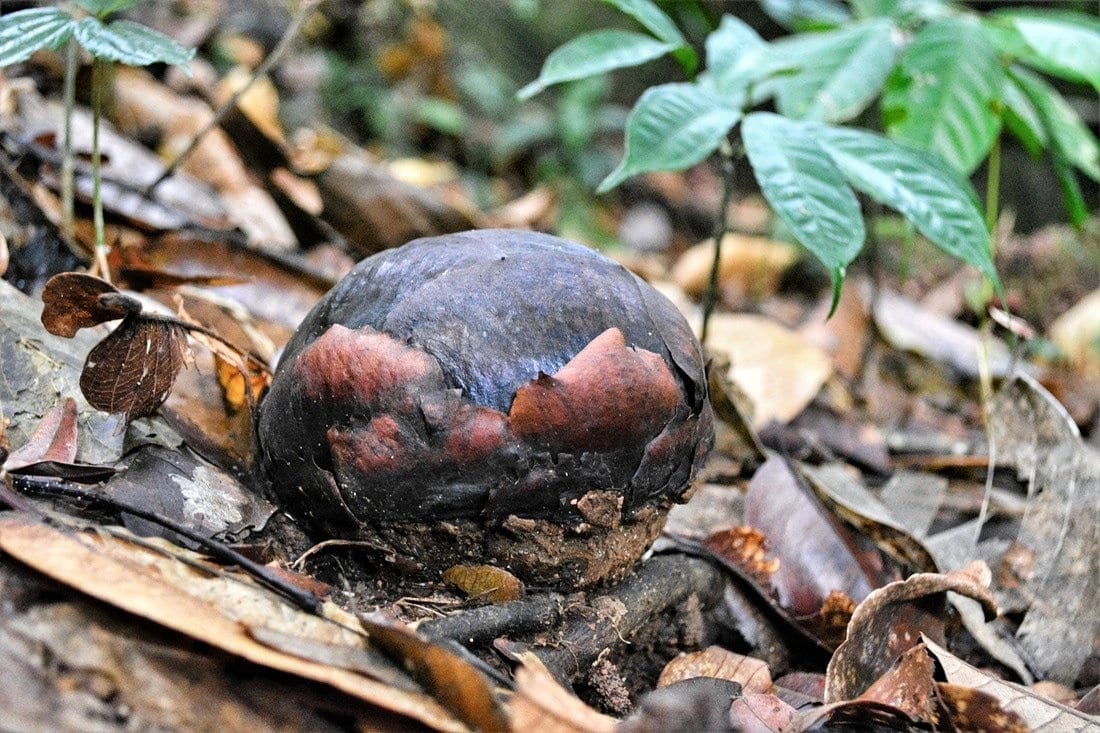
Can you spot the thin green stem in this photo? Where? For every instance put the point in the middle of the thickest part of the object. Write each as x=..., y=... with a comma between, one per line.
x=721, y=228
x=993, y=192
x=69, y=95
x=97, y=173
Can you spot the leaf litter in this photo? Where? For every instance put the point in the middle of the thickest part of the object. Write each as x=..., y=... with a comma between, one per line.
x=828, y=545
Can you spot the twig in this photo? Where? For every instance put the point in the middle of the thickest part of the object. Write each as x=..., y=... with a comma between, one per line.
x=53, y=489
x=305, y=9
x=659, y=584
x=481, y=625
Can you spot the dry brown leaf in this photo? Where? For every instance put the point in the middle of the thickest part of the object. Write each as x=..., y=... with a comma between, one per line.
x=779, y=370
x=760, y=712
x=1040, y=714
x=908, y=686
x=53, y=439
x=541, y=704
x=750, y=267
x=485, y=582
x=1077, y=333
x=209, y=608
x=892, y=619
x=714, y=661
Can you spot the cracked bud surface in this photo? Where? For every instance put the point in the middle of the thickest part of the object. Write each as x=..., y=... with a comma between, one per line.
x=492, y=396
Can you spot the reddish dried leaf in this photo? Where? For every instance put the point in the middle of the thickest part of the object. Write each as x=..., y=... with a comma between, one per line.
x=745, y=548
x=891, y=620
x=970, y=709
x=606, y=396
x=541, y=704
x=760, y=712
x=133, y=369
x=485, y=582
x=830, y=623
x=456, y=684
x=72, y=301
x=816, y=555
x=54, y=439
x=714, y=661
x=909, y=687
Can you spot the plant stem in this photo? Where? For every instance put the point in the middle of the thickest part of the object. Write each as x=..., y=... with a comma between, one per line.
x=97, y=172
x=69, y=96
x=721, y=228
x=993, y=192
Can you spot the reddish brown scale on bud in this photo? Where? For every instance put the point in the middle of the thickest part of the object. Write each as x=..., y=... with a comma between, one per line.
x=490, y=397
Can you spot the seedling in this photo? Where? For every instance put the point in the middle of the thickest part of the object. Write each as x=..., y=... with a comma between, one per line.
x=122, y=41
x=947, y=80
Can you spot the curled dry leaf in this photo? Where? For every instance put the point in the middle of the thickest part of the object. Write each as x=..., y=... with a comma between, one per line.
x=54, y=439
x=890, y=621
x=1037, y=713
x=485, y=582
x=760, y=712
x=133, y=369
x=72, y=301
x=541, y=704
x=714, y=661
x=455, y=682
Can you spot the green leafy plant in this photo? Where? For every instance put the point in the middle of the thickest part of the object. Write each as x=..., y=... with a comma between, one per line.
x=87, y=23
x=947, y=81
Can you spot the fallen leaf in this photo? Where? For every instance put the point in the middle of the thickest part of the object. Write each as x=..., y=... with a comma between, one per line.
x=541, y=704
x=891, y=620
x=72, y=301
x=1039, y=713
x=54, y=439
x=908, y=686
x=485, y=582
x=760, y=712
x=211, y=608
x=714, y=661
x=779, y=370
x=749, y=268
x=1077, y=333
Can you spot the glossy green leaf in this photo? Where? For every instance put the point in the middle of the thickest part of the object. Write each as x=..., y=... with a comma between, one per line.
x=1060, y=43
x=596, y=53
x=929, y=193
x=736, y=57
x=1022, y=119
x=1072, y=198
x=672, y=127
x=806, y=14
x=26, y=31
x=840, y=72
x=805, y=188
x=943, y=94
x=652, y=18
x=1068, y=133
x=874, y=8
x=130, y=43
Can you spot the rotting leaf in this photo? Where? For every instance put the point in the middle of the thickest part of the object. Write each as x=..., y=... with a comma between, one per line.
x=54, y=439
x=714, y=661
x=971, y=709
x=1037, y=713
x=72, y=301
x=453, y=681
x=485, y=582
x=759, y=712
x=892, y=619
x=215, y=609
x=541, y=704
x=132, y=370
x=908, y=686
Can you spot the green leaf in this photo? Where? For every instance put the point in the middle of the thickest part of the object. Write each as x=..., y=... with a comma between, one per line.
x=130, y=43
x=805, y=189
x=874, y=8
x=26, y=31
x=931, y=195
x=596, y=53
x=1072, y=198
x=652, y=18
x=1022, y=119
x=806, y=14
x=840, y=73
x=672, y=127
x=1063, y=44
x=102, y=8
x=1068, y=134
x=943, y=94
x=735, y=56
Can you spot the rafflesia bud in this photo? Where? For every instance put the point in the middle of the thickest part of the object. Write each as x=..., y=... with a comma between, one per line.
x=495, y=397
